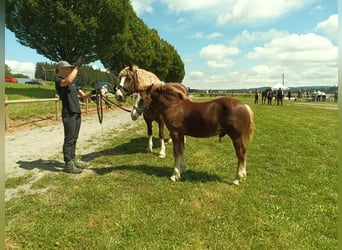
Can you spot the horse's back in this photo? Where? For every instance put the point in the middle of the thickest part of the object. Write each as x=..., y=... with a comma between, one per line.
x=204, y=119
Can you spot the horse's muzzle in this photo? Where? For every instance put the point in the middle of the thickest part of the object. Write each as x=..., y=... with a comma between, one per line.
x=119, y=96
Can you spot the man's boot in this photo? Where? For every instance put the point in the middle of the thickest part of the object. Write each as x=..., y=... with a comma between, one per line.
x=71, y=168
x=79, y=164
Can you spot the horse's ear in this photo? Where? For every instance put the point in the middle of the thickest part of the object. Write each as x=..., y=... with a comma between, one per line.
x=148, y=89
x=130, y=65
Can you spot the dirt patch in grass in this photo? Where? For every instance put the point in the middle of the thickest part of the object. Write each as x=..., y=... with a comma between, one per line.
x=37, y=149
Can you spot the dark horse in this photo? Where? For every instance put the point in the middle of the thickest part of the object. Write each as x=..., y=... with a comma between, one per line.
x=132, y=78
x=217, y=117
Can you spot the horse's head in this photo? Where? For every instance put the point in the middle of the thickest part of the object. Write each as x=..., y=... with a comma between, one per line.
x=141, y=103
x=128, y=82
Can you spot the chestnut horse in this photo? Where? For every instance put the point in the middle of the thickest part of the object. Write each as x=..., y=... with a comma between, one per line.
x=216, y=117
x=131, y=79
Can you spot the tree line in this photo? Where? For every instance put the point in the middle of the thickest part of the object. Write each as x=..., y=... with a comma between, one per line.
x=104, y=30
x=87, y=75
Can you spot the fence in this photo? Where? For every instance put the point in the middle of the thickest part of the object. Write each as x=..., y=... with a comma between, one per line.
x=56, y=100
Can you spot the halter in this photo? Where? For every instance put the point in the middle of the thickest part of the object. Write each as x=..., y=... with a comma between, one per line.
x=142, y=109
x=124, y=90
x=134, y=85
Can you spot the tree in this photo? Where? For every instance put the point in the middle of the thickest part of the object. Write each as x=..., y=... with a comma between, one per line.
x=132, y=45
x=176, y=69
x=65, y=30
x=105, y=30
x=8, y=72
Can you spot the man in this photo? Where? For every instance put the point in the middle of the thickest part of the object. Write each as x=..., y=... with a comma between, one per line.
x=71, y=112
x=280, y=95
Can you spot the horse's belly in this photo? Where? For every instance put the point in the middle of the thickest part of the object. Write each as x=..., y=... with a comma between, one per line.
x=200, y=135
x=201, y=131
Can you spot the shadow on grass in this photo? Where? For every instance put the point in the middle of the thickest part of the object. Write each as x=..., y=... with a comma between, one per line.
x=134, y=146
x=46, y=165
x=161, y=172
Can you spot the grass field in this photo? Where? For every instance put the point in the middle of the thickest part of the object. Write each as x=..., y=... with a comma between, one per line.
x=289, y=200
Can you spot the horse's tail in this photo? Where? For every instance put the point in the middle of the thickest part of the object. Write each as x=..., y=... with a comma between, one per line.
x=251, y=126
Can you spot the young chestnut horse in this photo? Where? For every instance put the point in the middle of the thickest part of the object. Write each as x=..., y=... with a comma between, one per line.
x=217, y=117
x=132, y=78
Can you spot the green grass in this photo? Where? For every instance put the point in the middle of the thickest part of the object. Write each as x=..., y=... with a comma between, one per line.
x=289, y=200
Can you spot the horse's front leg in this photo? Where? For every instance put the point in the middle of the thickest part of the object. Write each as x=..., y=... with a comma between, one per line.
x=149, y=133
x=240, y=150
x=178, y=153
x=161, y=124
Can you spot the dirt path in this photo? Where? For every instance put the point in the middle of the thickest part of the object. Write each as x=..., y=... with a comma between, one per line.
x=31, y=151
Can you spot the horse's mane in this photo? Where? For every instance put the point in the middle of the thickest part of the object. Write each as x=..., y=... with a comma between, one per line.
x=169, y=90
x=144, y=78
x=147, y=78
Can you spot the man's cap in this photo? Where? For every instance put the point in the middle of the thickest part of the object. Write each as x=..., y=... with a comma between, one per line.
x=63, y=64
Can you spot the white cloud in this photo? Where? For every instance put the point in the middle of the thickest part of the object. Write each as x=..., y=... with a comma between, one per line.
x=246, y=11
x=248, y=37
x=194, y=75
x=198, y=35
x=214, y=35
x=228, y=11
x=211, y=36
x=330, y=27
x=25, y=68
x=223, y=63
x=142, y=6
x=305, y=59
x=180, y=20
x=191, y=5
x=216, y=55
x=307, y=48
x=218, y=51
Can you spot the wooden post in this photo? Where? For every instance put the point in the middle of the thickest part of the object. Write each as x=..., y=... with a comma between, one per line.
x=57, y=107
x=86, y=111
x=6, y=114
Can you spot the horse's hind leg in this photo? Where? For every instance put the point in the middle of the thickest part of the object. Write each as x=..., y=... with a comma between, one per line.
x=240, y=150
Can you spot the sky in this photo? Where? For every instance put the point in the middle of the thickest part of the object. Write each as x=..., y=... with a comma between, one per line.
x=234, y=44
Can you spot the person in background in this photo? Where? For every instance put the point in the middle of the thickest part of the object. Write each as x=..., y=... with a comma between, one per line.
x=71, y=112
x=289, y=95
x=280, y=95
x=256, y=96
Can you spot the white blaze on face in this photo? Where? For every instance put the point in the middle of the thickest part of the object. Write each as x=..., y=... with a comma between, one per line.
x=118, y=94
x=134, y=112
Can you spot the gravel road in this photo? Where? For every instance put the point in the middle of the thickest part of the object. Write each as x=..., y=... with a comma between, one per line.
x=31, y=151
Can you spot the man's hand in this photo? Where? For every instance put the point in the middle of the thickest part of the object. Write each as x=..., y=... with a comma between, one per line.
x=79, y=62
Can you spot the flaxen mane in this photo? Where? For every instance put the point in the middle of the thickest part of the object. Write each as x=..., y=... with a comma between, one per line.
x=144, y=78
x=168, y=89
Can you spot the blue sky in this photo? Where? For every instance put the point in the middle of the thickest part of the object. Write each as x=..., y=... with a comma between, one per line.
x=231, y=44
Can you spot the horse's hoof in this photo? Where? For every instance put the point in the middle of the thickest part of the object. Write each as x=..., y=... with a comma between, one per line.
x=173, y=178
x=161, y=155
x=236, y=182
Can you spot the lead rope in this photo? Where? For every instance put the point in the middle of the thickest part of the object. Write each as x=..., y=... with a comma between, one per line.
x=99, y=108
